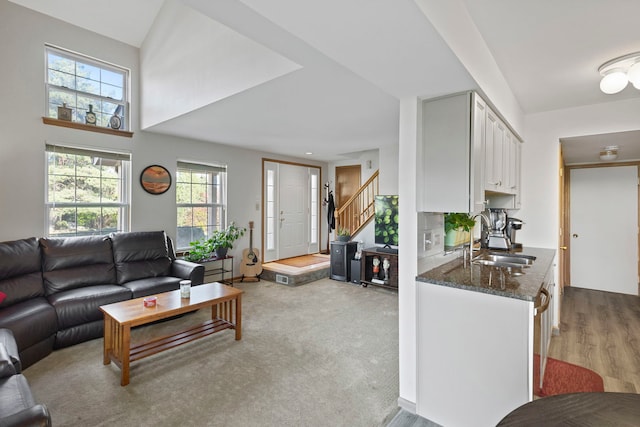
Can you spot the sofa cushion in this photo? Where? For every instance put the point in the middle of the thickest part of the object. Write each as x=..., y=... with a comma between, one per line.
x=82, y=305
x=31, y=322
x=74, y=262
x=20, y=275
x=140, y=254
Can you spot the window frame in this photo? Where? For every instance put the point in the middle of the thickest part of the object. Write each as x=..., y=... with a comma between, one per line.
x=211, y=207
x=124, y=206
x=103, y=117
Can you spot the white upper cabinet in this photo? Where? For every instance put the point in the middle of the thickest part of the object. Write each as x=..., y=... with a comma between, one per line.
x=468, y=159
x=450, y=160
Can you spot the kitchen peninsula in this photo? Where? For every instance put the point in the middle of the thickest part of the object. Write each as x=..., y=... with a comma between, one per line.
x=475, y=338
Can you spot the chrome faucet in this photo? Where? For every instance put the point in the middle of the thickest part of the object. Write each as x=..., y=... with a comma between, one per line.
x=471, y=239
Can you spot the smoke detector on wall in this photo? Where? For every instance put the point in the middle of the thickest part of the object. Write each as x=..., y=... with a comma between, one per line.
x=609, y=153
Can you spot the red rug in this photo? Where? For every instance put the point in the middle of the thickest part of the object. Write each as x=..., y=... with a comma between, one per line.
x=562, y=378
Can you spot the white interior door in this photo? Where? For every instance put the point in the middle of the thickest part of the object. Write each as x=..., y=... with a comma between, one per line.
x=604, y=231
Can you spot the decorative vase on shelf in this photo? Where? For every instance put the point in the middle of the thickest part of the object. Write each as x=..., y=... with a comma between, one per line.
x=90, y=116
x=64, y=113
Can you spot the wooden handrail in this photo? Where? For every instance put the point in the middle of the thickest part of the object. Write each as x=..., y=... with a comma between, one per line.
x=359, y=209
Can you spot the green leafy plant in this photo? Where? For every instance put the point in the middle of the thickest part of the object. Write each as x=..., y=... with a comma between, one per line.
x=342, y=231
x=199, y=250
x=203, y=249
x=454, y=221
x=225, y=238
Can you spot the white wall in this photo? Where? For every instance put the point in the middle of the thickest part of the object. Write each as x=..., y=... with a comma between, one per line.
x=194, y=61
x=23, y=136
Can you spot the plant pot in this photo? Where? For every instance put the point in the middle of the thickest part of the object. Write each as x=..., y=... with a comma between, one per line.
x=343, y=238
x=221, y=252
x=456, y=237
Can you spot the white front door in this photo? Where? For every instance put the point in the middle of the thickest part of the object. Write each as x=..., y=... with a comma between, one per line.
x=604, y=229
x=294, y=202
x=291, y=210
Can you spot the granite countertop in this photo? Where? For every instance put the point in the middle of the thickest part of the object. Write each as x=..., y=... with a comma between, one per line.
x=476, y=277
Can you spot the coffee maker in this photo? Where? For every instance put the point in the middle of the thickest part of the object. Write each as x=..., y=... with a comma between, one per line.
x=513, y=224
x=497, y=234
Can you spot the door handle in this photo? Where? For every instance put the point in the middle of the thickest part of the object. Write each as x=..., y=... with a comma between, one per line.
x=574, y=235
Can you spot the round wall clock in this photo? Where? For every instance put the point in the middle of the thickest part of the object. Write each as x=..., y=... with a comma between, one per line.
x=155, y=179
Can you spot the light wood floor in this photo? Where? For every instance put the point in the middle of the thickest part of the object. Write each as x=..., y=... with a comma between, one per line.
x=601, y=331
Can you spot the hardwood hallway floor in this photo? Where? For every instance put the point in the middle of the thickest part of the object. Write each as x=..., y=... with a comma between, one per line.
x=601, y=331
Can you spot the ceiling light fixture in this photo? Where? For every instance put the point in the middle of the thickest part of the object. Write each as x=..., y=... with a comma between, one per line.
x=609, y=153
x=618, y=72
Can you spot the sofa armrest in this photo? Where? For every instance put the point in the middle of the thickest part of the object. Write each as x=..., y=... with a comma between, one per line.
x=188, y=270
x=34, y=416
x=6, y=364
x=8, y=340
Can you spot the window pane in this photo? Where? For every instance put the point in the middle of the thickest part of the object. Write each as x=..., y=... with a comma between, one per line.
x=62, y=221
x=88, y=86
x=183, y=193
x=113, y=78
x=110, y=190
x=56, y=62
x=199, y=193
x=109, y=91
x=88, y=71
x=59, y=78
x=109, y=220
x=89, y=220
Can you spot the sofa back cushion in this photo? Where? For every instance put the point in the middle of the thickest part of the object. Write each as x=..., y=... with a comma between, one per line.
x=76, y=262
x=20, y=271
x=140, y=254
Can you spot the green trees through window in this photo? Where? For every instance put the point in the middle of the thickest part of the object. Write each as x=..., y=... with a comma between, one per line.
x=87, y=192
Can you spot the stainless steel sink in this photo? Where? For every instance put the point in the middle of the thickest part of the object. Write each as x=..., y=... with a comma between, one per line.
x=504, y=259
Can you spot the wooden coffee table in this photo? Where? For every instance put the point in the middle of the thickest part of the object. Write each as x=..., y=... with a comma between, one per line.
x=120, y=317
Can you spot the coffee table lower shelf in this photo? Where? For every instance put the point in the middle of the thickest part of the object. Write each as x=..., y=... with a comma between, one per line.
x=119, y=318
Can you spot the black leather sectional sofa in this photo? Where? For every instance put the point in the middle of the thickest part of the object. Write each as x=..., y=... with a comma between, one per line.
x=55, y=286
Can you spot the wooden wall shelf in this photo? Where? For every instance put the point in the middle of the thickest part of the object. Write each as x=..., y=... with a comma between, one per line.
x=82, y=126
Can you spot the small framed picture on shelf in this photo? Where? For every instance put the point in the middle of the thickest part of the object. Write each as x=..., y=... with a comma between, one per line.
x=64, y=113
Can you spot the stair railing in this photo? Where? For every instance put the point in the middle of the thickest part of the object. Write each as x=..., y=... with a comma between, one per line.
x=359, y=209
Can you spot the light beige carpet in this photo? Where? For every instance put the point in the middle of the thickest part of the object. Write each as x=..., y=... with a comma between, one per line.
x=323, y=354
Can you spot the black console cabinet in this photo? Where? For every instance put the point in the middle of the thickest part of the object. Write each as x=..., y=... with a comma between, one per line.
x=341, y=255
x=366, y=269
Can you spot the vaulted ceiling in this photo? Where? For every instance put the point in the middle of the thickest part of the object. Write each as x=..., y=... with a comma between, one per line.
x=359, y=57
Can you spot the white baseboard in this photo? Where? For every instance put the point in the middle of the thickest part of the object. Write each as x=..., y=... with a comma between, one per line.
x=406, y=405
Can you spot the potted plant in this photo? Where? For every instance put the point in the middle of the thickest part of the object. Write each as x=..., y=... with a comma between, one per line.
x=343, y=234
x=199, y=250
x=222, y=240
x=456, y=228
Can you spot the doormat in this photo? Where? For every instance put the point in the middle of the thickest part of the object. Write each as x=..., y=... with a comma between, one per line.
x=303, y=261
x=562, y=378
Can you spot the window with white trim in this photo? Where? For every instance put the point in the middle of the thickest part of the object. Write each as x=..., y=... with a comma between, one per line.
x=82, y=83
x=87, y=191
x=201, y=197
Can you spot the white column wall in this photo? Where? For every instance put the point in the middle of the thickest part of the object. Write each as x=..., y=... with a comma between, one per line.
x=408, y=253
